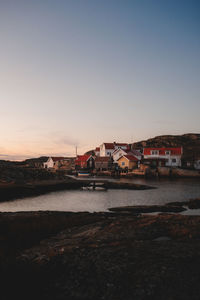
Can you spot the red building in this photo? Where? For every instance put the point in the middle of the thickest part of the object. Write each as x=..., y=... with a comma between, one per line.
x=84, y=162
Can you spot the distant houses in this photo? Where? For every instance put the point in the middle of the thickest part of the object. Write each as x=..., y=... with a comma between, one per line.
x=122, y=157
x=51, y=162
x=56, y=163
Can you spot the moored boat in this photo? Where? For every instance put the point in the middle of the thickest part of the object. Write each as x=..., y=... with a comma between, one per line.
x=83, y=174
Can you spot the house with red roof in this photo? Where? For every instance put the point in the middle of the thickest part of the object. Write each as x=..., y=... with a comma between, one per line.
x=53, y=162
x=157, y=157
x=107, y=149
x=84, y=162
x=128, y=161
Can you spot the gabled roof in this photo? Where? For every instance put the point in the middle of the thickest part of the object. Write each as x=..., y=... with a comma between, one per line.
x=119, y=149
x=121, y=144
x=112, y=145
x=128, y=152
x=109, y=145
x=82, y=158
x=174, y=150
x=129, y=157
x=157, y=158
x=102, y=159
x=134, y=152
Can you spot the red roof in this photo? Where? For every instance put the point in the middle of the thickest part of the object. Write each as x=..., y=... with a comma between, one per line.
x=82, y=158
x=156, y=158
x=121, y=144
x=134, y=152
x=174, y=151
x=102, y=159
x=112, y=145
x=131, y=157
x=109, y=145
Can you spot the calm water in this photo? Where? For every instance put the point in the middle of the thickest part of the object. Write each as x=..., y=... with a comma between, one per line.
x=167, y=191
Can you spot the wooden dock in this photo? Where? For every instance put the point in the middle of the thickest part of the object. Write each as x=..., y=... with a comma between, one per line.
x=96, y=183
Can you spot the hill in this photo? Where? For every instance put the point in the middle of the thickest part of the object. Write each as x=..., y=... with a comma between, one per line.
x=190, y=143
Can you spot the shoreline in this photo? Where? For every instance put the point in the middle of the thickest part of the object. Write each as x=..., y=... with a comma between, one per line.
x=31, y=189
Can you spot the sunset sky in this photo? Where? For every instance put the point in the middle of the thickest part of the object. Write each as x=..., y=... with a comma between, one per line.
x=83, y=72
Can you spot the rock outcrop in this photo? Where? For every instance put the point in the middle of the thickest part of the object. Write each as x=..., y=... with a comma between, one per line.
x=82, y=256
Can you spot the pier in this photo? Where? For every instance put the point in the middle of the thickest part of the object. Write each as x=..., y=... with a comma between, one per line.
x=109, y=184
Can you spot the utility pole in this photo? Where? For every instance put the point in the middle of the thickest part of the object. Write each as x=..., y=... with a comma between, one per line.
x=76, y=151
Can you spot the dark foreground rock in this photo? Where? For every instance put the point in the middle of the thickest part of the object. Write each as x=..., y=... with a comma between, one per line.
x=192, y=203
x=99, y=256
x=148, y=209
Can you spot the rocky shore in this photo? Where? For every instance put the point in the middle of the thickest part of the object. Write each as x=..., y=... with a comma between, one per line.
x=34, y=188
x=30, y=189
x=122, y=255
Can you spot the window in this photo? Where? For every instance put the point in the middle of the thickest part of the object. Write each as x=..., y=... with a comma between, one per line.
x=174, y=160
x=123, y=163
x=168, y=152
x=154, y=152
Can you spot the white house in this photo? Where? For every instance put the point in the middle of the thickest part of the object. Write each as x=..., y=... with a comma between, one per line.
x=118, y=153
x=107, y=149
x=169, y=157
x=51, y=162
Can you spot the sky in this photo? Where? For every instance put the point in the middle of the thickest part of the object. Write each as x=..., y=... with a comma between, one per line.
x=82, y=72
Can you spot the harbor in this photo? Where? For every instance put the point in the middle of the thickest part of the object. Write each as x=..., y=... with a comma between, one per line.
x=77, y=199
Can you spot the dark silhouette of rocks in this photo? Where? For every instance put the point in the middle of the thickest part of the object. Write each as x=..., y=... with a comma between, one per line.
x=139, y=209
x=52, y=255
x=192, y=203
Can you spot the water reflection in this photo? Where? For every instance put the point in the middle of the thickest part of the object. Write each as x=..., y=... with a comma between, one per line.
x=167, y=191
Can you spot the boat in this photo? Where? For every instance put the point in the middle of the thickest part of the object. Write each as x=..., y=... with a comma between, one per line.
x=83, y=174
x=95, y=186
x=90, y=188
